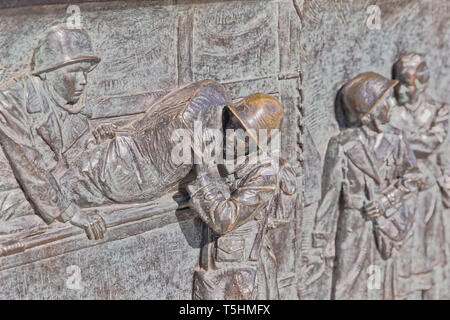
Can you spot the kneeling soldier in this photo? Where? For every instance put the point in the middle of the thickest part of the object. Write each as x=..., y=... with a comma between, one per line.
x=237, y=261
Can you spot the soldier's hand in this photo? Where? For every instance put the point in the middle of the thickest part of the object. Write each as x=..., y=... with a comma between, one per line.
x=91, y=222
x=313, y=266
x=373, y=209
x=104, y=132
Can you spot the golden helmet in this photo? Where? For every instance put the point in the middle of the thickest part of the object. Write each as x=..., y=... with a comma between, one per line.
x=62, y=46
x=361, y=94
x=259, y=111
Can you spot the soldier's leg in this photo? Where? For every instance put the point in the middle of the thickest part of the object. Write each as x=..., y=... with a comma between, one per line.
x=16, y=213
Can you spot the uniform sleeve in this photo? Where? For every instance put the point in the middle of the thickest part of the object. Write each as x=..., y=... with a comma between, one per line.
x=408, y=180
x=392, y=228
x=40, y=187
x=424, y=143
x=443, y=160
x=223, y=210
x=332, y=186
x=285, y=200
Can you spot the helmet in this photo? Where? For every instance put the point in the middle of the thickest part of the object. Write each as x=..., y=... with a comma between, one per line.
x=410, y=67
x=60, y=47
x=360, y=95
x=259, y=111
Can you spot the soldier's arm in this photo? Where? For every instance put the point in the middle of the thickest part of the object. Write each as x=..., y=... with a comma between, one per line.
x=393, y=220
x=332, y=185
x=287, y=198
x=319, y=259
x=223, y=210
x=424, y=143
x=409, y=180
x=39, y=185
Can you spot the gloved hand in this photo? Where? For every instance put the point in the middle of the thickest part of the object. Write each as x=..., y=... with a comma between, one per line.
x=374, y=209
x=104, y=132
x=92, y=222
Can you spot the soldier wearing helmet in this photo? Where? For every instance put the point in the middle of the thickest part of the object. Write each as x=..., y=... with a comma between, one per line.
x=424, y=122
x=40, y=132
x=238, y=201
x=416, y=109
x=368, y=175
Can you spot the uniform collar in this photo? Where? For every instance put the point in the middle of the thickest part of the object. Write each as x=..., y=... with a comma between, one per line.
x=60, y=129
x=55, y=97
x=65, y=107
x=412, y=107
x=244, y=164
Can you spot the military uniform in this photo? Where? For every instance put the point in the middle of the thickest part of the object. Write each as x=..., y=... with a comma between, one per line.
x=362, y=167
x=237, y=261
x=41, y=133
x=39, y=141
x=424, y=251
x=139, y=164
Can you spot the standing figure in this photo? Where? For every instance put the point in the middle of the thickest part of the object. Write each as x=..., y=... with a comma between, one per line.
x=368, y=176
x=443, y=161
x=41, y=131
x=424, y=122
x=237, y=261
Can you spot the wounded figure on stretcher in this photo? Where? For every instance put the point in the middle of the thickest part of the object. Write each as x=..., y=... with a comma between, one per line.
x=136, y=163
x=128, y=165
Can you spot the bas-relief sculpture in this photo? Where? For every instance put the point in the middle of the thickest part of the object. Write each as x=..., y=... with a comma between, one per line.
x=368, y=176
x=425, y=125
x=238, y=261
x=384, y=186
x=41, y=122
x=381, y=205
x=134, y=163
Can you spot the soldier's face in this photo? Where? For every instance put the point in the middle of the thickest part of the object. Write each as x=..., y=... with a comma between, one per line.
x=70, y=81
x=383, y=110
x=408, y=92
x=412, y=86
x=236, y=139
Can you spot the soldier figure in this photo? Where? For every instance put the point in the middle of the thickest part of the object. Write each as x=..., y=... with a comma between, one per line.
x=368, y=175
x=237, y=261
x=40, y=133
x=139, y=162
x=424, y=123
x=443, y=162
